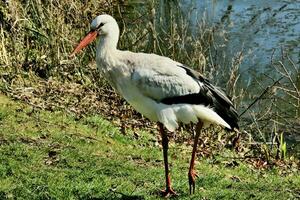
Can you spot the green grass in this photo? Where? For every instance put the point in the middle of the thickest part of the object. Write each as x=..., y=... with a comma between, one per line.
x=51, y=155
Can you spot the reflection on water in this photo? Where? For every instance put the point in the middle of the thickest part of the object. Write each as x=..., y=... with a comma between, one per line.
x=258, y=27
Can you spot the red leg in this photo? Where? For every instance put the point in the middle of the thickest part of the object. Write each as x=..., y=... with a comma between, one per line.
x=192, y=174
x=169, y=191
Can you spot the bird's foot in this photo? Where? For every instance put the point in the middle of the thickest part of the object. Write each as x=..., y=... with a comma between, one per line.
x=169, y=192
x=192, y=180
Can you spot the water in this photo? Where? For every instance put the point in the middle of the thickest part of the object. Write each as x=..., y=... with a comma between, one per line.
x=259, y=28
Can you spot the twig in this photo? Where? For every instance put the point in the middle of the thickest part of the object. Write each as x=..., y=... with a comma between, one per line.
x=258, y=127
x=290, y=78
x=260, y=96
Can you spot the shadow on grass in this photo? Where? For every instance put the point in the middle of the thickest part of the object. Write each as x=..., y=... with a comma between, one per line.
x=113, y=195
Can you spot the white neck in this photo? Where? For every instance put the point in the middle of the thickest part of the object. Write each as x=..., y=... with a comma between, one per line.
x=106, y=55
x=107, y=45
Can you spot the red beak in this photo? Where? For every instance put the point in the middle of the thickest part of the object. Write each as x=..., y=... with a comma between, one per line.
x=90, y=37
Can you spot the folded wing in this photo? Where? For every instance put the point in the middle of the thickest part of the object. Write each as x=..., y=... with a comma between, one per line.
x=178, y=84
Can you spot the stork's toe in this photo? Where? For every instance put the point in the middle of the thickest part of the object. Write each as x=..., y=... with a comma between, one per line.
x=192, y=181
x=169, y=192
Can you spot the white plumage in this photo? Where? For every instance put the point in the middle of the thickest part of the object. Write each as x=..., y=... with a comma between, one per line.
x=145, y=79
x=158, y=87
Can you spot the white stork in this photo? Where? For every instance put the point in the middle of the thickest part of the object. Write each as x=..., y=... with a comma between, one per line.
x=160, y=88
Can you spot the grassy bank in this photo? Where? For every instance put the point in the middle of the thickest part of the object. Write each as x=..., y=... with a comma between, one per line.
x=52, y=155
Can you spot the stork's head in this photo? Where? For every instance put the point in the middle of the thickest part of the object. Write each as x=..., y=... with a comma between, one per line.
x=104, y=26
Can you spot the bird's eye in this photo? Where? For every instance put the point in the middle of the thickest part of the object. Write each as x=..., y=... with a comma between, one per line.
x=99, y=26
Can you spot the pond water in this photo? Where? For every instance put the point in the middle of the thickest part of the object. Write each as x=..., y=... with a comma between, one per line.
x=259, y=28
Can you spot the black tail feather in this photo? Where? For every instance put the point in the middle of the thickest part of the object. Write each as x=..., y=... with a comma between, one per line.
x=223, y=107
x=216, y=98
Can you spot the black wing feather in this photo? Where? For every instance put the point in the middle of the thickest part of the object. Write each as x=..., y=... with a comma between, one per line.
x=208, y=95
